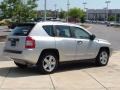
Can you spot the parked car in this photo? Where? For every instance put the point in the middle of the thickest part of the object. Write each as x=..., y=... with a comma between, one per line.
x=110, y=23
x=46, y=44
x=113, y=24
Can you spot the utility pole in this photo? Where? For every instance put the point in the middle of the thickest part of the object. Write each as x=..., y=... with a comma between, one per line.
x=107, y=9
x=45, y=13
x=55, y=10
x=68, y=7
x=57, y=13
x=84, y=5
x=86, y=13
x=85, y=9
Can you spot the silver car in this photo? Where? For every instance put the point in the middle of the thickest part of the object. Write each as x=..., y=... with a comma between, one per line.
x=46, y=44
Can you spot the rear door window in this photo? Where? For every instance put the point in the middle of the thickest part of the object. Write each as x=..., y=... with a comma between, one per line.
x=22, y=30
x=63, y=31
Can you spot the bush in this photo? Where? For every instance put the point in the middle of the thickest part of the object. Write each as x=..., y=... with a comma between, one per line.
x=111, y=18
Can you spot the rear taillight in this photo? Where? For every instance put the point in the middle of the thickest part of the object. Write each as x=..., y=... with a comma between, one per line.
x=29, y=43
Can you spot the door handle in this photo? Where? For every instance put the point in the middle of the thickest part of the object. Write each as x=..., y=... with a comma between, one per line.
x=79, y=42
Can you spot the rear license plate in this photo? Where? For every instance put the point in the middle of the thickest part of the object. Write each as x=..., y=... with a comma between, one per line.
x=13, y=43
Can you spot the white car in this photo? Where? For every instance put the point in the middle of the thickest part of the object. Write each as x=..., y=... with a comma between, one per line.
x=46, y=44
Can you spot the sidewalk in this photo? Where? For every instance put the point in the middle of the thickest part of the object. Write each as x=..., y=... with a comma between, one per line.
x=81, y=76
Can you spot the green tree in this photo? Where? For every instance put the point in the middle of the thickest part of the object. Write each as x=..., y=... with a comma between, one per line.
x=62, y=14
x=76, y=14
x=18, y=10
x=111, y=18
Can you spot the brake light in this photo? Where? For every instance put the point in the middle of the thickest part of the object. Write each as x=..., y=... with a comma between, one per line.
x=29, y=43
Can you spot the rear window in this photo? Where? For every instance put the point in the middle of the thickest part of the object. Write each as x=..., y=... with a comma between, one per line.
x=22, y=30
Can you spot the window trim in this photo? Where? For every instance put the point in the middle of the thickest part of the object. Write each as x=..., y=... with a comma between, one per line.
x=81, y=29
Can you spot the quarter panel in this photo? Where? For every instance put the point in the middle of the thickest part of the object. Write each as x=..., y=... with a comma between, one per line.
x=43, y=43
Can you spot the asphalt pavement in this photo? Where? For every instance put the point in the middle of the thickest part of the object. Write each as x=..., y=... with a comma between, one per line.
x=112, y=34
x=4, y=31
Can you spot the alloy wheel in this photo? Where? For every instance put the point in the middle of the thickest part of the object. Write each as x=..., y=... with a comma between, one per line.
x=103, y=57
x=49, y=63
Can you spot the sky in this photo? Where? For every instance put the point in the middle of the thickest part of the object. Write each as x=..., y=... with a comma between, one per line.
x=91, y=4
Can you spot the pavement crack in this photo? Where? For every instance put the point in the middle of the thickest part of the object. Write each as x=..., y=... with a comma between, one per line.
x=6, y=75
x=52, y=82
x=95, y=79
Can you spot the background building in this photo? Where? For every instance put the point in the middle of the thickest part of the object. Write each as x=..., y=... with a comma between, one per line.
x=103, y=14
x=50, y=13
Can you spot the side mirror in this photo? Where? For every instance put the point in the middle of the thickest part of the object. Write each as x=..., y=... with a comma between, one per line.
x=92, y=37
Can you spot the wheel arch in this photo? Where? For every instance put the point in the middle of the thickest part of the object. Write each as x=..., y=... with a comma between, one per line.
x=105, y=48
x=52, y=50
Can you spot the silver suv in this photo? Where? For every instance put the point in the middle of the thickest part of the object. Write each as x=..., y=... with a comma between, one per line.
x=46, y=44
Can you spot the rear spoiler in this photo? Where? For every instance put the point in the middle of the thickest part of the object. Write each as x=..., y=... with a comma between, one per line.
x=13, y=25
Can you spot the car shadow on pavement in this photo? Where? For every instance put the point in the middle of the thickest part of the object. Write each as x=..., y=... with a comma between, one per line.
x=15, y=72
x=76, y=65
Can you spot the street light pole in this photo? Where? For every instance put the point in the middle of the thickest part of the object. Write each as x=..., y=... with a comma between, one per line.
x=45, y=13
x=107, y=9
x=68, y=7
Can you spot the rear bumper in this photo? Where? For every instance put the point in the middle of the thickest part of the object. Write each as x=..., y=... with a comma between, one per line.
x=21, y=61
x=26, y=56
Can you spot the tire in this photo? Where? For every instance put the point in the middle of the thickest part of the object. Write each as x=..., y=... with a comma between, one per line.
x=102, y=58
x=20, y=65
x=47, y=63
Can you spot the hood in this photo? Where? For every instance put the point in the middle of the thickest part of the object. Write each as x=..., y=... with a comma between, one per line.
x=103, y=41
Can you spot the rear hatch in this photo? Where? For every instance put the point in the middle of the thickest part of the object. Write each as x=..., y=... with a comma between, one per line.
x=17, y=39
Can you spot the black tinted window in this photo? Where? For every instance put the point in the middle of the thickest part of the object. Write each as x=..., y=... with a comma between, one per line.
x=22, y=30
x=63, y=31
x=49, y=30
